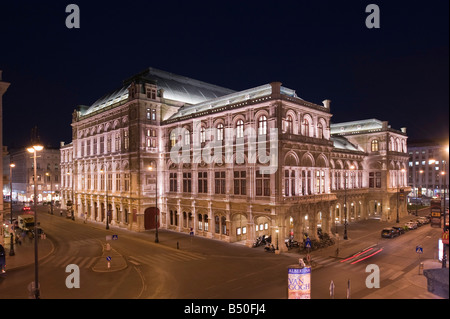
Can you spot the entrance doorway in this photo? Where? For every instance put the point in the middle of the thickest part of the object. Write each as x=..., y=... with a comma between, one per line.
x=150, y=216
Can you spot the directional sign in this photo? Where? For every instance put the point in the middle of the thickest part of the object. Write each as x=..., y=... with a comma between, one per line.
x=108, y=258
x=419, y=249
x=308, y=243
x=115, y=237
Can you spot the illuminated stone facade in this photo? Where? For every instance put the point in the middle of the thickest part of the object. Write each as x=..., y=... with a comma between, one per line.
x=213, y=184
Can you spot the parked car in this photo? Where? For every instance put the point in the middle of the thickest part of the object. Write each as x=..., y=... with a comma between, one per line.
x=26, y=208
x=424, y=220
x=389, y=233
x=411, y=225
x=400, y=229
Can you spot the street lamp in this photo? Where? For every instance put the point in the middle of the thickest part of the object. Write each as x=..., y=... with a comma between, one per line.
x=51, y=192
x=106, y=193
x=150, y=168
x=444, y=172
x=398, y=182
x=417, y=191
x=33, y=149
x=11, y=251
x=352, y=167
x=276, y=231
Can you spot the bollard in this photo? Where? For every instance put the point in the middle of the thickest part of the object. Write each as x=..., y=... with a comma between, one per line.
x=108, y=247
x=420, y=267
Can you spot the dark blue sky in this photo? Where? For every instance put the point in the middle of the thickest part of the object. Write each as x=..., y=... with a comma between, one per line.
x=322, y=49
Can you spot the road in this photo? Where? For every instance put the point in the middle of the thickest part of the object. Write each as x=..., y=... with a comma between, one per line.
x=200, y=268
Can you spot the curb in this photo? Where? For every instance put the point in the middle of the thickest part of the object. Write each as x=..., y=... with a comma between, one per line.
x=117, y=261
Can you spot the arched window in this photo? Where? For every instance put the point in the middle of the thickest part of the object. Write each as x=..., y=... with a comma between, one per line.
x=240, y=129
x=173, y=138
x=374, y=146
x=320, y=130
x=289, y=124
x=202, y=135
x=223, y=221
x=262, y=125
x=200, y=222
x=187, y=137
x=220, y=132
x=306, y=127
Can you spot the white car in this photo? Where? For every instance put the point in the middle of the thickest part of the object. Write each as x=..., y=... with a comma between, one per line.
x=411, y=225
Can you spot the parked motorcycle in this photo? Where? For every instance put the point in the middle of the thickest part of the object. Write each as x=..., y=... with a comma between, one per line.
x=269, y=248
x=258, y=242
x=291, y=243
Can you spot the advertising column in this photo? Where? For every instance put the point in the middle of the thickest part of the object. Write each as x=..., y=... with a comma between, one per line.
x=299, y=282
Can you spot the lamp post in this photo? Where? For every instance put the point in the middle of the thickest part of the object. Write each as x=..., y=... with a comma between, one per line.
x=398, y=182
x=417, y=191
x=352, y=167
x=106, y=194
x=11, y=251
x=150, y=168
x=51, y=192
x=444, y=253
x=276, y=231
x=33, y=149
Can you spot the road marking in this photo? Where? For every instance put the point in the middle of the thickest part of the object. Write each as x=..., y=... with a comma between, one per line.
x=396, y=275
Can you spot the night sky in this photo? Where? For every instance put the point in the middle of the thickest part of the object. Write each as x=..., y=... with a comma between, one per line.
x=321, y=49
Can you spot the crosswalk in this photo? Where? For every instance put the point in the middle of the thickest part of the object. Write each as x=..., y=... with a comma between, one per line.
x=63, y=261
x=153, y=259
x=386, y=272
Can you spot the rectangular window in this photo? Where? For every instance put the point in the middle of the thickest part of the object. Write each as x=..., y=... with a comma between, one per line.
x=378, y=179
x=262, y=184
x=127, y=182
x=240, y=183
x=88, y=147
x=187, y=182
x=173, y=182
x=102, y=145
x=117, y=182
x=219, y=182
x=203, y=182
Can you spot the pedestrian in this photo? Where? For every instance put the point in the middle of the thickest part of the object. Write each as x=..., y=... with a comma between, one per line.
x=30, y=236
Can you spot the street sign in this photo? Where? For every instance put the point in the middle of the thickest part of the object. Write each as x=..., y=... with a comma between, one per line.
x=108, y=258
x=308, y=243
x=115, y=237
x=445, y=238
x=419, y=249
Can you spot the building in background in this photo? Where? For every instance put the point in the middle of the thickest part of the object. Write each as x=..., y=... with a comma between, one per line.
x=126, y=150
x=428, y=170
x=48, y=175
x=3, y=87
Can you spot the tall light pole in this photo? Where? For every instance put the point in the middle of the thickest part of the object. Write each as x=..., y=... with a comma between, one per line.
x=444, y=173
x=150, y=168
x=352, y=167
x=51, y=192
x=417, y=191
x=398, y=182
x=11, y=251
x=33, y=149
x=106, y=194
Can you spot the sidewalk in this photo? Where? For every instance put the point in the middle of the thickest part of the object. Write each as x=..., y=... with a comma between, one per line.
x=24, y=253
